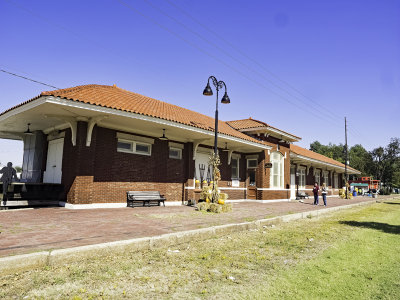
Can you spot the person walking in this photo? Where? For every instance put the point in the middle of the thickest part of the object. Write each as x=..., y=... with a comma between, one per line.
x=324, y=191
x=8, y=174
x=315, y=191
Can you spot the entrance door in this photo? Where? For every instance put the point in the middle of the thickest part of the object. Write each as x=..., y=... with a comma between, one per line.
x=251, y=184
x=54, y=162
x=292, y=183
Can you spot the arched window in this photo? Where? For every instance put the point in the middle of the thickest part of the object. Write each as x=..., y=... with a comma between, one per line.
x=277, y=170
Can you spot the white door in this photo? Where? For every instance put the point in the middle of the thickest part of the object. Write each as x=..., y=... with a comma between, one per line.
x=54, y=162
x=292, y=184
x=201, y=162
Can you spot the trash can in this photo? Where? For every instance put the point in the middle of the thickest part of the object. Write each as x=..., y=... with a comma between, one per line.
x=354, y=194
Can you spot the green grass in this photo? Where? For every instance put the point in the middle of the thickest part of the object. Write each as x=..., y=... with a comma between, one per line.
x=353, y=254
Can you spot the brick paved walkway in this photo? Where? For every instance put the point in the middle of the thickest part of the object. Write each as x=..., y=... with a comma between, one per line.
x=26, y=231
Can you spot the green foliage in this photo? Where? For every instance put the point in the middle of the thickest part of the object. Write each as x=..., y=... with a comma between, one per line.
x=333, y=151
x=382, y=163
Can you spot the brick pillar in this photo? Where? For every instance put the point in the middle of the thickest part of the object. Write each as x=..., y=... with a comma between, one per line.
x=80, y=165
x=81, y=191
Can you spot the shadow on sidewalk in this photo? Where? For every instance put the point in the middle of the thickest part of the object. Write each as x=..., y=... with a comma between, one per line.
x=394, y=203
x=395, y=229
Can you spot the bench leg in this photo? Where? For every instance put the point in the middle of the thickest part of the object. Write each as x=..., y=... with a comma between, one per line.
x=163, y=203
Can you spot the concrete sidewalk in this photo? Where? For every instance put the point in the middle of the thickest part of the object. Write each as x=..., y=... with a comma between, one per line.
x=27, y=231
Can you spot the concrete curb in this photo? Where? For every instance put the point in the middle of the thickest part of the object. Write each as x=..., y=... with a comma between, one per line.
x=62, y=256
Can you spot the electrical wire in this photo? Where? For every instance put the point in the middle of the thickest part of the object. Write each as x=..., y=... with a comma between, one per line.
x=247, y=56
x=137, y=11
x=235, y=59
x=30, y=79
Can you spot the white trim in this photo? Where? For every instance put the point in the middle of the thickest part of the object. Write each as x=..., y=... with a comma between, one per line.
x=258, y=201
x=176, y=145
x=179, y=150
x=107, y=205
x=247, y=163
x=112, y=111
x=294, y=155
x=237, y=158
x=134, y=138
x=92, y=121
x=23, y=108
x=133, y=147
x=189, y=187
x=274, y=130
x=232, y=188
x=173, y=203
x=277, y=157
x=272, y=189
x=55, y=136
x=92, y=206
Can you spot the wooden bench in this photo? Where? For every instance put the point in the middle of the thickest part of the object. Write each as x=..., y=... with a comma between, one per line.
x=144, y=197
x=303, y=195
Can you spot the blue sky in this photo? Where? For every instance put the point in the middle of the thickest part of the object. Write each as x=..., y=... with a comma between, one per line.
x=301, y=66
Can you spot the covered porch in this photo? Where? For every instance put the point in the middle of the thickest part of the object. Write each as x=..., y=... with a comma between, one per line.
x=74, y=148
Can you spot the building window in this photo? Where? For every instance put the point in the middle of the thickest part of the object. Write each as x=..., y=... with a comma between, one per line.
x=335, y=179
x=326, y=178
x=318, y=177
x=175, y=153
x=302, y=178
x=277, y=170
x=252, y=163
x=124, y=146
x=133, y=147
x=235, y=168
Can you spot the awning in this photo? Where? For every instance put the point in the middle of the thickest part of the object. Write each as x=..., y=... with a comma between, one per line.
x=359, y=184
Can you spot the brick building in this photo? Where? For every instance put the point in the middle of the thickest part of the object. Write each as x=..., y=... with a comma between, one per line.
x=101, y=141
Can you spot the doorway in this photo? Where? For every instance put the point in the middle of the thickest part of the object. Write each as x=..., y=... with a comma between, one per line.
x=54, y=162
x=251, y=184
x=292, y=183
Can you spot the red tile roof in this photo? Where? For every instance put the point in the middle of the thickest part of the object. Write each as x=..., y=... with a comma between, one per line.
x=311, y=154
x=252, y=123
x=120, y=99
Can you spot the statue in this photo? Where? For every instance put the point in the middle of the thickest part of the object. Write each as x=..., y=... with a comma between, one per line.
x=8, y=174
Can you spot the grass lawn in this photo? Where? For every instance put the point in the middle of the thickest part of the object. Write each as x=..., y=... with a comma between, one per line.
x=353, y=254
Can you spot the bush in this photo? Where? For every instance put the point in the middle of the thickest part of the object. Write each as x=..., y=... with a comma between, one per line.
x=385, y=191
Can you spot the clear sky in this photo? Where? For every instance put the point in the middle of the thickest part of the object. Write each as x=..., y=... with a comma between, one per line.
x=301, y=66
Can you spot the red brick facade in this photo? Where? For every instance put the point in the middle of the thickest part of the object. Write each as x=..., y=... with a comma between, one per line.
x=101, y=174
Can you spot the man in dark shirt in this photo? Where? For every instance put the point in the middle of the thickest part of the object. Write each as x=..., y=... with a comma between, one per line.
x=315, y=191
x=8, y=174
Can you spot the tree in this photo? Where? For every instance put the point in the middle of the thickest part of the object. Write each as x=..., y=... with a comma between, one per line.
x=333, y=151
x=360, y=159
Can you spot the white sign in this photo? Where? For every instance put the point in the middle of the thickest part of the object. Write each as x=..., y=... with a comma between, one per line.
x=235, y=183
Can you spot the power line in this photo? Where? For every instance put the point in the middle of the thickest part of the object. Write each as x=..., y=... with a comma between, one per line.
x=218, y=59
x=30, y=79
x=248, y=57
x=235, y=59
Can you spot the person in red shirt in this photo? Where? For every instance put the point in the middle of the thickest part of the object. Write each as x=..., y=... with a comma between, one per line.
x=315, y=191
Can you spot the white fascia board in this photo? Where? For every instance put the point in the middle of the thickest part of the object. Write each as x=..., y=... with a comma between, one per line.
x=111, y=111
x=23, y=108
x=321, y=162
x=284, y=134
x=273, y=130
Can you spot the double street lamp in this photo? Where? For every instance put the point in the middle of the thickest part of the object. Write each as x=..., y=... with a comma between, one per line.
x=225, y=100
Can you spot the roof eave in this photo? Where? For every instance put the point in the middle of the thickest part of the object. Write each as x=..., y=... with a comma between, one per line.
x=113, y=111
x=313, y=160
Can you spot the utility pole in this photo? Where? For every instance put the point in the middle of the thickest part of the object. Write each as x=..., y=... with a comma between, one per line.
x=345, y=151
